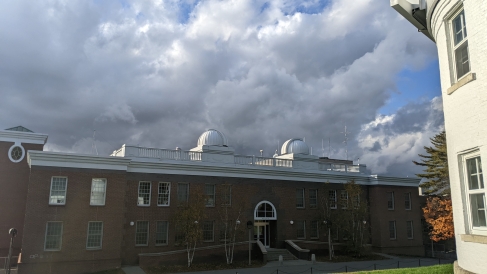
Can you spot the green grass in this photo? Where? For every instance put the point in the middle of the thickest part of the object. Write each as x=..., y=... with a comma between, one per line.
x=436, y=269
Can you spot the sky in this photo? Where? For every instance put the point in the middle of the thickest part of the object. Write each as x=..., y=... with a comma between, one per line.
x=160, y=73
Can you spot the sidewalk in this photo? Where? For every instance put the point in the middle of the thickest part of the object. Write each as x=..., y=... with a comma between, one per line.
x=301, y=266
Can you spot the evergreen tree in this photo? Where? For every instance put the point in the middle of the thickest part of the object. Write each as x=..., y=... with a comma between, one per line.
x=436, y=163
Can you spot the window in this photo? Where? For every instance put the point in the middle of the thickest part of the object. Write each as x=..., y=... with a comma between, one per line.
x=475, y=193
x=390, y=200
x=163, y=194
x=460, y=45
x=392, y=230
x=54, y=236
x=183, y=192
x=95, y=235
x=313, y=198
x=208, y=231
x=332, y=198
x=227, y=195
x=300, y=197
x=142, y=233
x=407, y=201
x=210, y=195
x=344, y=198
x=314, y=229
x=162, y=228
x=98, y=191
x=301, y=229
x=144, y=194
x=58, y=190
x=356, y=201
x=409, y=228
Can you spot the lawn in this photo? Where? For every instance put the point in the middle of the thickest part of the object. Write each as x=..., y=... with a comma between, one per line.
x=435, y=269
x=201, y=267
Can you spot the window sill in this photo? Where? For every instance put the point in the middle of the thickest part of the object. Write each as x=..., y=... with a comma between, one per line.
x=462, y=82
x=161, y=244
x=480, y=239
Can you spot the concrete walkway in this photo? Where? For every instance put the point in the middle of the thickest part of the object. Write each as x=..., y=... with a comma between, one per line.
x=132, y=270
x=303, y=267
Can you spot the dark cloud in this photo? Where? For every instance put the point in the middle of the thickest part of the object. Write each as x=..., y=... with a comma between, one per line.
x=141, y=73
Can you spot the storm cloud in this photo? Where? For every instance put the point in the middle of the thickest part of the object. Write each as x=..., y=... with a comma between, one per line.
x=159, y=73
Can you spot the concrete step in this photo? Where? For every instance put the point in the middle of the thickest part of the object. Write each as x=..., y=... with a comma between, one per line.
x=273, y=255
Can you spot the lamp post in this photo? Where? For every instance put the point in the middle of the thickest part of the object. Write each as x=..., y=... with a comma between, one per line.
x=249, y=227
x=328, y=224
x=362, y=238
x=13, y=233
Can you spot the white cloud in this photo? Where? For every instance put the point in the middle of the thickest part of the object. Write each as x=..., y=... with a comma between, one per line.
x=257, y=70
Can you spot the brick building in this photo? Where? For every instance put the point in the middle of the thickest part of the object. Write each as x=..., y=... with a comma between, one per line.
x=86, y=213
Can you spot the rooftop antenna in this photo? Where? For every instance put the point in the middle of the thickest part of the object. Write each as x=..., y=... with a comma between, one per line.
x=278, y=144
x=329, y=148
x=93, y=146
x=311, y=150
x=322, y=149
x=345, y=133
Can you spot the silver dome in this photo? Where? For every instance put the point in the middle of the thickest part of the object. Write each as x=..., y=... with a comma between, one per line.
x=212, y=137
x=296, y=146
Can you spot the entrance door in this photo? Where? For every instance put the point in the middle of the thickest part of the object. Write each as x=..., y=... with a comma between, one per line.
x=262, y=232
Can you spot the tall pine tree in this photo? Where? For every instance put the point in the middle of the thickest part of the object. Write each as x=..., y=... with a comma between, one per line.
x=436, y=163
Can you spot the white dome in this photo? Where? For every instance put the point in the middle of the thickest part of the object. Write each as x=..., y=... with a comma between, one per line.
x=212, y=137
x=296, y=146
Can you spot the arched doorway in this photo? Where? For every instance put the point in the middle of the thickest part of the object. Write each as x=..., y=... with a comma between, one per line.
x=265, y=217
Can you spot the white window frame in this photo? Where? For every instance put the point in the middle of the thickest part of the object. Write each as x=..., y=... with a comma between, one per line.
x=136, y=232
x=316, y=225
x=138, y=195
x=206, y=231
x=453, y=47
x=160, y=194
x=394, y=228
x=210, y=202
x=333, y=202
x=88, y=236
x=407, y=198
x=302, y=198
x=60, y=237
x=65, y=191
x=410, y=227
x=392, y=207
x=315, y=199
x=227, y=196
x=470, y=228
x=104, y=192
x=158, y=233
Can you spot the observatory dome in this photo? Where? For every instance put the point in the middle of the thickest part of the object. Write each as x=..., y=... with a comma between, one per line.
x=296, y=146
x=212, y=137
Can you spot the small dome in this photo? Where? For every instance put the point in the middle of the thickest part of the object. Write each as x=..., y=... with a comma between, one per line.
x=212, y=137
x=296, y=146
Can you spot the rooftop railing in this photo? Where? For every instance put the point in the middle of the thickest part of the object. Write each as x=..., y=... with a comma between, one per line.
x=180, y=155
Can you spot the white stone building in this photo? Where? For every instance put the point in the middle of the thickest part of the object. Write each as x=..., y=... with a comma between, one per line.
x=459, y=29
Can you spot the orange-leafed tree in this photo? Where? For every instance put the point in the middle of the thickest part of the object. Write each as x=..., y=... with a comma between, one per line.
x=439, y=216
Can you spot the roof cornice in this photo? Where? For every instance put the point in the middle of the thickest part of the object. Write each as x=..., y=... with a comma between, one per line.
x=23, y=137
x=71, y=160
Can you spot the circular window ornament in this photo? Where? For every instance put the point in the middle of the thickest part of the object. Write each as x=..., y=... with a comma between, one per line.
x=16, y=153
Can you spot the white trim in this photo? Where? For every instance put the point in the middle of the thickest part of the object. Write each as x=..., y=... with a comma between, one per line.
x=148, y=231
x=23, y=137
x=167, y=233
x=104, y=193
x=412, y=229
x=265, y=218
x=393, y=201
x=60, y=241
x=168, y=197
x=71, y=160
x=466, y=192
x=65, y=191
x=88, y=236
x=395, y=230
x=138, y=193
x=16, y=144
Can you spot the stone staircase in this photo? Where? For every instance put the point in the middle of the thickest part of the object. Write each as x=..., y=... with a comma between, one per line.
x=273, y=254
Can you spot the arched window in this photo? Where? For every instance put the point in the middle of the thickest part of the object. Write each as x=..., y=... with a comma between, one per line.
x=265, y=210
